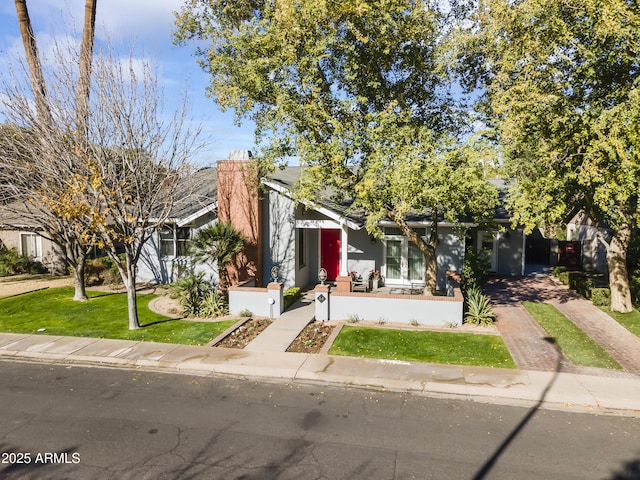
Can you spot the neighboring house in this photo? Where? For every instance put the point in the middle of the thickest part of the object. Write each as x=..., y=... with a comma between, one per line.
x=165, y=254
x=16, y=231
x=583, y=242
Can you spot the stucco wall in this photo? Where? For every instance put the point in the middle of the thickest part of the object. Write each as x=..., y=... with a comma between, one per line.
x=510, y=253
x=450, y=254
x=594, y=254
x=397, y=308
x=364, y=255
x=279, y=236
x=264, y=302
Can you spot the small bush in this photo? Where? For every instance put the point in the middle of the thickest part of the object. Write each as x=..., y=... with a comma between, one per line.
x=290, y=296
x=601, y=297
x=101, y=271
x=475, y=269
x=478, y=308
x=190, y=291
x=353, y=318
x=12, y=263
x=246, y=313
x=213, y=305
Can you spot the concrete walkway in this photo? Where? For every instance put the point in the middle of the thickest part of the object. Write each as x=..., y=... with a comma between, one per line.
x=283, y=331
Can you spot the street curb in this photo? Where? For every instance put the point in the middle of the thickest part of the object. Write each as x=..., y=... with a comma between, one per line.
x=548, y=390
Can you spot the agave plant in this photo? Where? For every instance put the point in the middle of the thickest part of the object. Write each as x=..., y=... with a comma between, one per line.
x=478, y=308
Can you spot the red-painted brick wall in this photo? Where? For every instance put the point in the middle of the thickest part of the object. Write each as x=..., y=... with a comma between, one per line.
x=239, y=202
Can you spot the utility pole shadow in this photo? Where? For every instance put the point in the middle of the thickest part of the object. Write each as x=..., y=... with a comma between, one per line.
x=489, y=464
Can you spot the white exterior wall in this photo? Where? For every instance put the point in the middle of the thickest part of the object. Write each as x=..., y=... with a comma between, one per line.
x=424, y=310
x=280, y=238
x=262, y=302
x=594, y=253
x=153, y=268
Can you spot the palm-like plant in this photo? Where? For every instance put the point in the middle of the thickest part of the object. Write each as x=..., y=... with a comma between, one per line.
x=220, y=243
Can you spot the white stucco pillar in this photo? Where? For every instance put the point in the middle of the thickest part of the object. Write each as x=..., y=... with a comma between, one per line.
x=344, y=247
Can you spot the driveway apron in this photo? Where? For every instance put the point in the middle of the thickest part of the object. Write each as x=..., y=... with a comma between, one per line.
x=528, y=342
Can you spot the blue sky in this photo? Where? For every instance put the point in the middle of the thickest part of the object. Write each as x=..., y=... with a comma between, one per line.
x=143, y=26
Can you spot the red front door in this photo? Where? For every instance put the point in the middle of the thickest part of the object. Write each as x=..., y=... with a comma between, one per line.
x=330, y=252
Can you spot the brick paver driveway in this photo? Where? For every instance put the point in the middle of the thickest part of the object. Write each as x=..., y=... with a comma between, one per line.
x=527, y=341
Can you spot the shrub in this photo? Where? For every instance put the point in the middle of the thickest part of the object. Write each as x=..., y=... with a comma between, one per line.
x=601, y=297
x=246, y=313
x=12, y=263
x=475, y=269
x=290, y=296
x=213, y=305
x=190, y=291
x=478, y=308
x=102, y=271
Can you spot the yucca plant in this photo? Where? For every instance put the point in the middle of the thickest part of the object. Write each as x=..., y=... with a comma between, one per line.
x=478, y=308
x=190, y=290
x=213, y=305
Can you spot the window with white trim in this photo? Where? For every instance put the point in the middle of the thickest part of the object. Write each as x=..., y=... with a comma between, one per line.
x=29, y=245
x=174, y=241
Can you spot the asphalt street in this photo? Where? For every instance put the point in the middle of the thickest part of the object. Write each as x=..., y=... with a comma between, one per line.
x=73, y=422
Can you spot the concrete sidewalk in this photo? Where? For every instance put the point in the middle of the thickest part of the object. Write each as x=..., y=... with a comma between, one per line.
x=565, y=391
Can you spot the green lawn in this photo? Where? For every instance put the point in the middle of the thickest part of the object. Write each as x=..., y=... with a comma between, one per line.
x=423, y=346
x=630, y=321
x=574, y=343
x=103, y=316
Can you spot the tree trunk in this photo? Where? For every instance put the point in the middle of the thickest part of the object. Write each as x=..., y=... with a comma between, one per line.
x=618, y=276
x=33, y=60
x=84, y=77
x=132, y=301
x=80, y=294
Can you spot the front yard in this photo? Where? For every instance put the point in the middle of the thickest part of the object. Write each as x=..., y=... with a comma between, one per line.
x=53, y=312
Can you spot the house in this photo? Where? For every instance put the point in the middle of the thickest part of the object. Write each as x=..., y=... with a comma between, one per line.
x=165, y=255
x=583, y=249
x=300, y=238
x=19, y=232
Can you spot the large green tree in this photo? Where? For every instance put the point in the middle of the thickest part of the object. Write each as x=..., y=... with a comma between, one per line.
x=357, y=91
x=561, y=85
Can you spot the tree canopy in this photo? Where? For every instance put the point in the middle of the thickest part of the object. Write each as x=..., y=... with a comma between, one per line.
x=358, y=91
x=561, y=83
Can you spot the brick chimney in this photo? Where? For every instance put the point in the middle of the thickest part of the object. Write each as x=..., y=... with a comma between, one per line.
x=239, y=203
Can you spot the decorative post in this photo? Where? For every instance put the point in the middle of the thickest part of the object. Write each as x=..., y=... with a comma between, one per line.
x=322, y=295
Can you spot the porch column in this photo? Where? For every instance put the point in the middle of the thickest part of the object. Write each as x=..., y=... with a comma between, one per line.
x=344, y=246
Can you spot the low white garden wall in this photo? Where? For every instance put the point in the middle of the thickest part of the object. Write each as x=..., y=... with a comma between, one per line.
x=263, y=302
x=407, y=309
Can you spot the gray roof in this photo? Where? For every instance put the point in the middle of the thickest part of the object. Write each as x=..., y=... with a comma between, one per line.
x=288, y=177
x=198, y=191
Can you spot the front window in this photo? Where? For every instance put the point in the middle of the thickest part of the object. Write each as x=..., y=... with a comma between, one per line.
x=174, y=241
x=416, y=263
x=29, y=245
x=394, y=258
